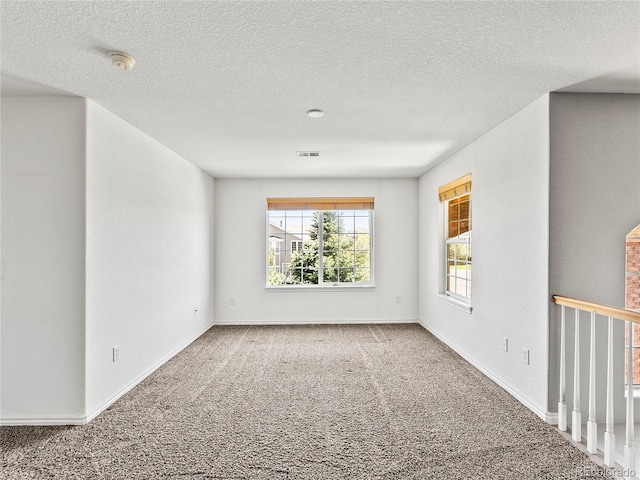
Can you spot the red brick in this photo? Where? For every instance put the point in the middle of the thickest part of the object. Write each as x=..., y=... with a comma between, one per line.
x=633, y=257
x=632, y=280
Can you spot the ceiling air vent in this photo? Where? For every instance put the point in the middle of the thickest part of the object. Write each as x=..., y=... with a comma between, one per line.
x=308, y=154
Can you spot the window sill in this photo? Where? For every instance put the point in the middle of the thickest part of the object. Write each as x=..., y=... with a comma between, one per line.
x=455, y=302
x=315, y=288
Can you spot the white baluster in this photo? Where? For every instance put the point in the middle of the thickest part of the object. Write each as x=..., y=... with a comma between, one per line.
x=629, y=450
x=609, y=434
x=562, y=406
x=576, y=416
x=592, y=426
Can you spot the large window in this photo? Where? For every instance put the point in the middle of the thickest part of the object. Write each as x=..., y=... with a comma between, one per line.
x=319, y=241
x=456, y=197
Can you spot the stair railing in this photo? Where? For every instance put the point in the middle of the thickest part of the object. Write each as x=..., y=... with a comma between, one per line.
x=612, y=313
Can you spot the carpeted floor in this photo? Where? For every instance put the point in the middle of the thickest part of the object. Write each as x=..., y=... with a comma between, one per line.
x=305, y=402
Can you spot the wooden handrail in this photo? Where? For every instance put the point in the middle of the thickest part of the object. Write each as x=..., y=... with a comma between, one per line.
x=600, y=309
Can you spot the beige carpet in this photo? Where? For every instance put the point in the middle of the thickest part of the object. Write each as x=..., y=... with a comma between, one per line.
x=305, y=402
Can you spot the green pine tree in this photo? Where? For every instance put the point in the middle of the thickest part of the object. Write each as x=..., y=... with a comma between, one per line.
x=345, y=256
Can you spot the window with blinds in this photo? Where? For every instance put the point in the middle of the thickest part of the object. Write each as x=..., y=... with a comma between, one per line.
x=456, y=197
x=326, y=241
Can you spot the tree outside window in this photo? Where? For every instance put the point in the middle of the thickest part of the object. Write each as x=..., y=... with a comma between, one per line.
x=335, y=247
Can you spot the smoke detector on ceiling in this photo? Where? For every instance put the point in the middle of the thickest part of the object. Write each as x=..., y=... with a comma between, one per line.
x=308, y=154
x=122, y=60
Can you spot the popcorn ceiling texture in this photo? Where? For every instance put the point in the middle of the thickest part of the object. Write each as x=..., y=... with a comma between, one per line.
x=305, y=402
x=404, y=84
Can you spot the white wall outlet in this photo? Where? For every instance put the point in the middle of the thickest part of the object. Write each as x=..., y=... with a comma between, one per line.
x=195, y=311
x=116, y=353
x=505, y=344
x=232, y=301
x=398, y=299
x=525, y=356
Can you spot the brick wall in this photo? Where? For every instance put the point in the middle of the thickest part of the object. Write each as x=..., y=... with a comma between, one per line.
x=632, y=293
x=632, y=300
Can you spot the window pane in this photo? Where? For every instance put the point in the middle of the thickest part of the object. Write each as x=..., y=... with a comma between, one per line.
x=330, y=275
x=362, y=224
x=348, y=225
x=461, y=250
x=462, y=270
x=464, y=209
x=453, y=229
x=347, y=241
x=363, y=275
x=363, y=241
x=294, y=227
x=306, y=224
x=451, y=265
x=346, y=259
x=295, y=276
x=453, y=211
x=309, y=275
x=297, y=249
x=277, y=219
x=458, y=246
x=451, y=251
x=346, y=274
x=329, y=260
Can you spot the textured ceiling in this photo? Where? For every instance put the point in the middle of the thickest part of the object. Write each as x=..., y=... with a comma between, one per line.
x=403, y=84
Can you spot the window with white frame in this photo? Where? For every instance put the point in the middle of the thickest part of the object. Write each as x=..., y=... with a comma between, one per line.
x=330, y=241
x=456, y=197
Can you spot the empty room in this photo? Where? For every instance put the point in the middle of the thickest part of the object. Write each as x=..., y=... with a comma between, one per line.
x=319, y=239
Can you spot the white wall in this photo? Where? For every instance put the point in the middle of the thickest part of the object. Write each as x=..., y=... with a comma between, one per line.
x=43, y=243
x=240, y=258
x=149, y=255
x=595, y=203
x=107, y=240
x=510, y=177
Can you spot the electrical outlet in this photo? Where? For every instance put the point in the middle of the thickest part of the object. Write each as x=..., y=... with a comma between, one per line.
x=505, y=344
x=116, y=353
x=398, y=299
x=525, y=356
x=195, y=311
x=232, y=301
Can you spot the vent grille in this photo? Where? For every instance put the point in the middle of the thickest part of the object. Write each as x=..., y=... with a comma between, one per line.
x=308, y=154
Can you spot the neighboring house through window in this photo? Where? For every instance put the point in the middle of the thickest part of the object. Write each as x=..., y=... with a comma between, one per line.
x=274, y=252
x=325, y=241
x=456, y=197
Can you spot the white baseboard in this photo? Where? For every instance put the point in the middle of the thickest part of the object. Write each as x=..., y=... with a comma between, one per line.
x=42, y=421
x=543, y=414
x=551, y=418
x=84, y=420
x=148, y=372
x=314, y=322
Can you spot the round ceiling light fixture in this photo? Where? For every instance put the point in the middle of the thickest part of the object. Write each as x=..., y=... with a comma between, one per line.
x=122, y=60
x=315, y=113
